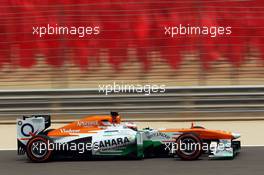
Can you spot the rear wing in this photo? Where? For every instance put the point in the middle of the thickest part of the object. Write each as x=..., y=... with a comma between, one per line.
x=46, y=118
x=29, y=126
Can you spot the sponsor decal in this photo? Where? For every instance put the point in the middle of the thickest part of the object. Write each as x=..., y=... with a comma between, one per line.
x=158, y=134
x=114, y=142
x=87, y=123
x=69, y=131
x=26, y=129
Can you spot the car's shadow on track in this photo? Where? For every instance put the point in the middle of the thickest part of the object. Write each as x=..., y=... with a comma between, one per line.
x=70, y=159
x=59, y=158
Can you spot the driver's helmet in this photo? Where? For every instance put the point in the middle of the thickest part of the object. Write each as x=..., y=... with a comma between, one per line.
x=115, y=118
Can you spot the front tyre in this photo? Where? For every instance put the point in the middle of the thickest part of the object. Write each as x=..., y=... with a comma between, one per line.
x=38, y=149
x=189, y=146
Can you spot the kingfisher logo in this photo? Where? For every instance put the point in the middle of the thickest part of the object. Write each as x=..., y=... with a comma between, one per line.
x=121, y=141
x=87, y=123
x=158, y=134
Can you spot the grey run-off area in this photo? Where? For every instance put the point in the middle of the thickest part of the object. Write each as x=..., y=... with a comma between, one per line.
x=249, y=161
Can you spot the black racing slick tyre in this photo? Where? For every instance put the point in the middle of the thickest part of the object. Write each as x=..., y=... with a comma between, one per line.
x=38, y=149
x=189, y=146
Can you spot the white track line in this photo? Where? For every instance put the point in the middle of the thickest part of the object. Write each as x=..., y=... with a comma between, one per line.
x=252, y=145
x=8, y=149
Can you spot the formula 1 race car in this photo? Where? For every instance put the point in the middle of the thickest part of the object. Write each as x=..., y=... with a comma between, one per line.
x=106, y=136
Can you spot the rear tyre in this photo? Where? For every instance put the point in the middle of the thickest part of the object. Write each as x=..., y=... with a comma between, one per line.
x=38, y=149
x=189, y=146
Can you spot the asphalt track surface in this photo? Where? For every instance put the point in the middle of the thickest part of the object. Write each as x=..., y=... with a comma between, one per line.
x=249, y=162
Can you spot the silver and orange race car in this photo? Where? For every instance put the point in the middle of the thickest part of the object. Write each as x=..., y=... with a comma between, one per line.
x=108, y=137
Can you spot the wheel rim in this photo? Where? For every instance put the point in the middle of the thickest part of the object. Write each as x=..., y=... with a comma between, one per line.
x=190, y=146
x=39, y=149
